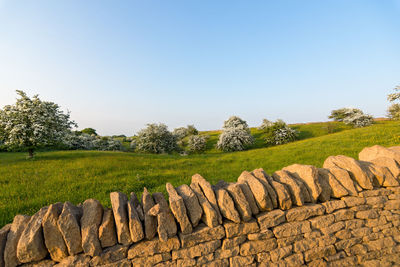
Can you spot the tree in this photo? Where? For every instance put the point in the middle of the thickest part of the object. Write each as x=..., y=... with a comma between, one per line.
x=352, y=116
x=156, y=139
x=235, y=136
x=394, y=109
x=31, y=123
x=89, y=131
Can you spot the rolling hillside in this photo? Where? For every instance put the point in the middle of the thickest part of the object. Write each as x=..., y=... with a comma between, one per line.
x=50, y=177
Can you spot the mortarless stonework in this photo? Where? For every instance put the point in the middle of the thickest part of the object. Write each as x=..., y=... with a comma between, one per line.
x=301, y=216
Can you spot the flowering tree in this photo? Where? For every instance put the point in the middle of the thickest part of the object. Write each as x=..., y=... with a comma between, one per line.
x=31, y=123
x=156, y=139
x=394, y=109
x=352, y=116
x=235, y=136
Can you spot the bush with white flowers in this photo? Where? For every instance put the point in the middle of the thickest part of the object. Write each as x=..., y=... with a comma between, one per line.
x=352, y=116
x=265, y=124
x=156, y=139
x=235, y=136
x=394, y=112
x=197, y=143
x=279, y=133
x=77, y=141
x=32, y=123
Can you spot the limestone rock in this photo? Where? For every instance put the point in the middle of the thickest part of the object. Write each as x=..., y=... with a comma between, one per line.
x=196, y=251
x=344, y=178
x=135, y=225
x=68, y=224
x=178, y=208
x=208, y=193
x=304, y=212
x=110, y=255
x=271, y=219
x=265, y=180
x=53, y=238
x=14, y=234
x=324, y=175
x=226, y=205
x=150, y=222
x=249, y=197
x=119, y=203
x=107, y=234
x=361, y=175
x=296, y=195
x=244, y=228
x=382, y=175
x=3, y=239
x=43, y=263
x=201, y=234
x=377, y=151
x=389, y=163
x=240, y=200
x=282, y=193
x=337, y=189
x=210, y=216
x=90, y=222
x=168, y=219
x=309, y=174
x=137, y=205
x=191, y=203
x=80, y=260
x=31, y=245
x=260, y=193
x=154, y=246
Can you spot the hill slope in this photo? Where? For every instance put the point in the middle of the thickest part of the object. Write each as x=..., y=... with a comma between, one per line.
x=27, y=185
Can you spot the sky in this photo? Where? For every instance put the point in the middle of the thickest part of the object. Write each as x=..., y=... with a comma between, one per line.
x=118, y=65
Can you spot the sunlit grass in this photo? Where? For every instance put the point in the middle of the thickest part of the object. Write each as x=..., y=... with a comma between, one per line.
x=27, y=185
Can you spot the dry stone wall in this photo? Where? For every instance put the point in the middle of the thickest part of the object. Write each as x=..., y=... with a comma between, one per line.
x=344, y=214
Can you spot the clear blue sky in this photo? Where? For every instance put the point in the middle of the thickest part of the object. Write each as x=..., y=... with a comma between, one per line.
x=117, y=65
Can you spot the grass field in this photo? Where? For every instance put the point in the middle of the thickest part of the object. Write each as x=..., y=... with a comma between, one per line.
x=27, y=185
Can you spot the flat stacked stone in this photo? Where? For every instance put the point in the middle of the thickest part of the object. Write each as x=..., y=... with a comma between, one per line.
x=241, y=203
x=265, y=180
x=292, y=185
x=68, y=224
x=14, y=234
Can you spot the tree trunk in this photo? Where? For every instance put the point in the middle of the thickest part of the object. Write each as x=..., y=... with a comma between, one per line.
x=30, y=151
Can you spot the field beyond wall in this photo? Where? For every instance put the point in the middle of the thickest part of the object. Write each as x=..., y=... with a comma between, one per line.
x=28, y=185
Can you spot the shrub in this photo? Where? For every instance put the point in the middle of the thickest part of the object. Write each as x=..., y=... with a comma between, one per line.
x=235, y=136
x=83, y=141
x=235, y=122
x=279, y=133
x=191, y=130
x=265, y=124
x=156, y=139
x=394, y=112
x=180, y=133
x=197, y=143
x=359, y=120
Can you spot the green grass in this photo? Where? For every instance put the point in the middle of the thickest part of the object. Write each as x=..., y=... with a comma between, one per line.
x=27, y=185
